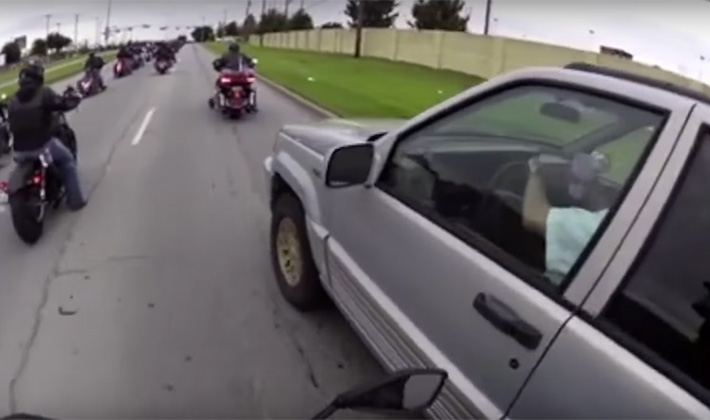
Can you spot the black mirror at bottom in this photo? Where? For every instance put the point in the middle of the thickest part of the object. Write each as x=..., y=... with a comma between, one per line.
x=406, y=391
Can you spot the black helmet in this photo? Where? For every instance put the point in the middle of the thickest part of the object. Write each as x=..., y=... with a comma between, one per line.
x=92, y=54
x=234, y=47
x=33, y=69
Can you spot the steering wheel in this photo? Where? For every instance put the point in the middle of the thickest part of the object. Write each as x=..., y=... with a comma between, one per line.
x=509, y=197
x=500, y=215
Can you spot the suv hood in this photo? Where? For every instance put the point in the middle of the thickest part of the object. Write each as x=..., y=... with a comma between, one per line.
x=327, y=134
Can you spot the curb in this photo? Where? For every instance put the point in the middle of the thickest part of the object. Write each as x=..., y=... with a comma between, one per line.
x=298, y=98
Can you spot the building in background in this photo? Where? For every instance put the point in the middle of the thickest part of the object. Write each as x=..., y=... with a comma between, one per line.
x=616, y=52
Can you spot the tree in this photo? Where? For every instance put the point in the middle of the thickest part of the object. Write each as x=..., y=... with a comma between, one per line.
x=57, y=41
x=272, y=21
x=232, y=29
x=220, y=31
x=39, y=47
x=12, y=52
x=439, y=14
x=332, y=25
x=300, y=21
x=376, y=13
x=249, y=26
x=202, y=33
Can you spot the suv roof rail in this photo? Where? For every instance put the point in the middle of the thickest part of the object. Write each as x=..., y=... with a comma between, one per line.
x=637, y=78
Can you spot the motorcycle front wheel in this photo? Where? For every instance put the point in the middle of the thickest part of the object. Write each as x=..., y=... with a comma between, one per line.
x=27, y=217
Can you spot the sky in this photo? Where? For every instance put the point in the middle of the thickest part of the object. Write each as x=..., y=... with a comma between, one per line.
x=673, y=34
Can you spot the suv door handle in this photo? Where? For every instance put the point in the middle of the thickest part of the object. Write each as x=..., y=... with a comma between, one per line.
x=507, y=321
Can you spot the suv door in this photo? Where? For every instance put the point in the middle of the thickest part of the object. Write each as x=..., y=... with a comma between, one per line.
x=433, y=264
x=643, y=332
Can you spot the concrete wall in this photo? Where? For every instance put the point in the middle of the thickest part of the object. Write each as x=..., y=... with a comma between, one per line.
x=484, y=56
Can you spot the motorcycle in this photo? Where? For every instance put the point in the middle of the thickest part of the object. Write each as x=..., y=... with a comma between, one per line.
x=5, y=133
x=88, y=85
x=235, y=92
x=35, y=186
x=162, y=65
x=123, y=67
x=404, y=394
x=137, y=61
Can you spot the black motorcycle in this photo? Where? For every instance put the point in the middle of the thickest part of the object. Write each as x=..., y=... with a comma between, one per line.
x=404, y=394
x=5, y=134
x=35, y=186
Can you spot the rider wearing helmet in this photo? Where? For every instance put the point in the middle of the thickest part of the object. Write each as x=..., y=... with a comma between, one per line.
x=165, y=52
x=94, y=64
x=32, y=122
x=234, y=59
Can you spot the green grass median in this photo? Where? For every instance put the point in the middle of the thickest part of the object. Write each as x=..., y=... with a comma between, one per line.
x=57, y=72
x=350, y=87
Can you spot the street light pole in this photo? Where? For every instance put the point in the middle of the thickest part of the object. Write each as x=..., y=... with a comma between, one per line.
x=108, y=23
x=49, y=17
x=488, y=17
x=76, y=30
x=263, y=13
x=358, y=31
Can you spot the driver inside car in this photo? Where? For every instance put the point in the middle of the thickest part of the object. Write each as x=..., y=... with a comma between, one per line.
x=566, y=230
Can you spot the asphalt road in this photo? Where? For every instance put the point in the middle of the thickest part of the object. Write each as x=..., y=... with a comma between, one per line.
x=157, y=300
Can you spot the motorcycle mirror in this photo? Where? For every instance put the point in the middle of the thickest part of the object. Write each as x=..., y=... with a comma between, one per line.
x=405, y=391
x=3, y=97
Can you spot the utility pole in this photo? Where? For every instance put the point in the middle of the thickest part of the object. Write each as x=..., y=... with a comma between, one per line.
x=76, y=30
x=49, y=17
x=59, y=27
x=225, y=17
x=488, y=17
x=97, y=31
x=108, y=23
x=358, y=31
x=248, y=9
x=288, y=2
x=303, y=4
x=263, y=13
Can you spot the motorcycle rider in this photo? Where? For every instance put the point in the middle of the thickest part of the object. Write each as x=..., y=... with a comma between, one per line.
x=234, y=59
x=30, y=113
x=124, y=52
x=164, y=52
x=94, y=64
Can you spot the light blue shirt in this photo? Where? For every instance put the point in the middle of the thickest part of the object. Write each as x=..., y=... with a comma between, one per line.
x=568, y=232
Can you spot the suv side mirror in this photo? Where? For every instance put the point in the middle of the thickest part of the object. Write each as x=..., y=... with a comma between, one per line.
x=349, y=165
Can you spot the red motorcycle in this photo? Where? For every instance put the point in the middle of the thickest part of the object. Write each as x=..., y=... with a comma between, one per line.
x=162, y=65
x=234, y=93
x=123, y=67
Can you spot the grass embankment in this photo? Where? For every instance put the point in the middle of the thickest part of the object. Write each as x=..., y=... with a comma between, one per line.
x=58, y=71
x=364, y=87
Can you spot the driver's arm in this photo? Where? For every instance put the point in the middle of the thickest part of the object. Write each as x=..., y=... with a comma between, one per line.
x=536, y=206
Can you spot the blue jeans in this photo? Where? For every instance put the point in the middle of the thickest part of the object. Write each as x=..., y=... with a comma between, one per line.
x=64, y=161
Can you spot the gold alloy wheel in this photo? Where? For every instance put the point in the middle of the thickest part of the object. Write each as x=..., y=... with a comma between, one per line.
x=288, y=251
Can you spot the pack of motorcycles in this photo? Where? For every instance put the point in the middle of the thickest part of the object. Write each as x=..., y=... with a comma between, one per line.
x=35, y=188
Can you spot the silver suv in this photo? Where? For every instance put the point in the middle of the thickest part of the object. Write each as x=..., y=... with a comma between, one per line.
x=540, y=236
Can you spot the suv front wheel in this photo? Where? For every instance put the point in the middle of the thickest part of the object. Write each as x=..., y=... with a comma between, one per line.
x=291, y=258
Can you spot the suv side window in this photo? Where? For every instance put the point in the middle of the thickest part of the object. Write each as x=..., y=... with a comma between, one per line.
x=469, y=172
x=663, y=306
